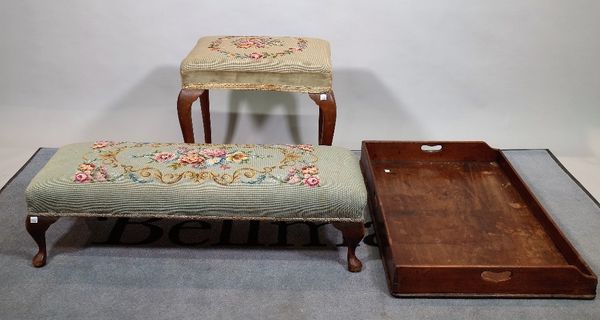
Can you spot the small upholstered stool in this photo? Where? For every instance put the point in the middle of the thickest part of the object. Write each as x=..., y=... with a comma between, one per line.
x=292, y=64
x=200, y=181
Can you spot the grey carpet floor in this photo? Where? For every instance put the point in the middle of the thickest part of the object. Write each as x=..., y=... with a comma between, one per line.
x=119, y=269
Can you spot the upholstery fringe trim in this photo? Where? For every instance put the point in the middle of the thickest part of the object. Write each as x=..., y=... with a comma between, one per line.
x=256, y=86
x=193, y=217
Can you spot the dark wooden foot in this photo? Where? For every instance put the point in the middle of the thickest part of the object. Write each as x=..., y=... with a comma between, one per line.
x=184, y=111
x=353, y=233
x=327, y=115
x=37, y=226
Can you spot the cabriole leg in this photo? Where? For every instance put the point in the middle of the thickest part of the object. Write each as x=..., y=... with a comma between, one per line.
x=37, y=226
x=205, y=109
x=184, y=111
x=353, y=233
x=327, y=116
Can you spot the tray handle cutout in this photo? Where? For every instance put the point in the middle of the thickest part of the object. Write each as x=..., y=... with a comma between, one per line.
x=496, y=277
x=431, y=148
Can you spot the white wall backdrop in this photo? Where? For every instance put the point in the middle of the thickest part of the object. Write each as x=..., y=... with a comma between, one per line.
x=515, y=73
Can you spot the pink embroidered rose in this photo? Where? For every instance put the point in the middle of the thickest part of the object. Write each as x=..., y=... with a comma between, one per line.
x=87, y=167
x=305, y=147
x=292, y=171
x=237, y=157
x=245, y=44
x=192, y=158
x=164, y=156
x=101, y=144
x=215, y=153
x=256, y=55
x=293, y=180
x=310, y=170
x=82, y=177
x=312, y=181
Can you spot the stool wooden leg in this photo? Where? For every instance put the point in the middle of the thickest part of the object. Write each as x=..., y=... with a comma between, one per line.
x=184, y=111
x=327, y=115
x=353, y=233
x=320, y=124
x=204, y=106
x=37, y=226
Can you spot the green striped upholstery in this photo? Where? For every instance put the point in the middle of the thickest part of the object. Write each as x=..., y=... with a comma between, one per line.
x=125, y=179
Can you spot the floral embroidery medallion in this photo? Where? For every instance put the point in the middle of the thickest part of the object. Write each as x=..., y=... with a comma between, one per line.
x=223, y=164
x=197, y=158
x=255, y=47
x=256, y=42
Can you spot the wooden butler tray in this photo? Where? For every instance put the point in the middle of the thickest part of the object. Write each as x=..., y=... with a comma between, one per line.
x=455, y=219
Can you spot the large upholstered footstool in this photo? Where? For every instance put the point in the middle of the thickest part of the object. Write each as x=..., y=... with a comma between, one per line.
x=200, y=181
x=292, y=64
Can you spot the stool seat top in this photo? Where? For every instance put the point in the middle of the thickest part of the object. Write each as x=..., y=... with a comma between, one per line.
x=297, y=64
x=233, y=181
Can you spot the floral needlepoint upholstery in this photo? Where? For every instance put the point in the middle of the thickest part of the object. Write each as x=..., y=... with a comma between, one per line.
x=286, y=182
x=294, y=64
